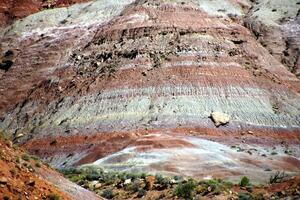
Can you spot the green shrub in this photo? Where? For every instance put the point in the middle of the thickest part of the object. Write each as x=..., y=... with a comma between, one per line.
x=215, y=186
x=177, y=178
x=35, y=158
x=109, y=177
x=131, y=176
x=93, y=177
x=245, y=181
x=249, y=188
x=143, y=175
x=75, y=178
x=185, y=190
x=108, y=194
x=245, y=196
x=38, y=164
x=135, y=186
x=162, y=181
x=53, y=197
x=25, y=157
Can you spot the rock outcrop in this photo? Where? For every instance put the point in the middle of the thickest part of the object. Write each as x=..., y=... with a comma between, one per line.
x=276, y=25
x=125, y=84
x=11, y=10
x=25, y=177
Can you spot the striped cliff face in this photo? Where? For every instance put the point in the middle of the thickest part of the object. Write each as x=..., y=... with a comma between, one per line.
x=136, y=90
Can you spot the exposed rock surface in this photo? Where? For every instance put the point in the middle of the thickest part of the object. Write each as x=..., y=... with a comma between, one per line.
x=93, y=82
x=11, y=10
x=22, y=177
x=220, y=118
x=276, y=24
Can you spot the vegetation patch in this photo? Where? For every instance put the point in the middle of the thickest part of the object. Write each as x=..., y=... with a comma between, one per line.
x=126, y=185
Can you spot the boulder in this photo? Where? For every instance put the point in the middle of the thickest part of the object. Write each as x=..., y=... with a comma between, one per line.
x=220, y=118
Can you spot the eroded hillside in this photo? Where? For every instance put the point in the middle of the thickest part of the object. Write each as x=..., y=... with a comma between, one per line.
x=136, y=85
x=25, y=177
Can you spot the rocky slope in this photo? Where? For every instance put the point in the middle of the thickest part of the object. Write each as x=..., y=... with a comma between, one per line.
x=131, y=85
x=276, y=25
x=11, y=10
x=25, y=177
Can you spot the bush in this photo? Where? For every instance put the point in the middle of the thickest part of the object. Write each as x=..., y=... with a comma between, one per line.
x=162, y=181
x=177, y=178
x=245, y=196
x=37, y=164
x=75, y=178
x=93, y=177
x=108, y=194
x=135, y=186
x=25, y=157
x=185, y=190
x=53, y=197
x=141, y=193
x=108, y=178
x=245, y=181
x=277, y=177
x=215, y=186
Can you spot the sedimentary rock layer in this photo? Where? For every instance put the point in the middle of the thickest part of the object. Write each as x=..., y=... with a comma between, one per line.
x=276, y=25
x=11, y=10
x=90, y=83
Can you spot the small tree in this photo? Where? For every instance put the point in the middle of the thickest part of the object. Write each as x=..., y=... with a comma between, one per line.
x=245, y=181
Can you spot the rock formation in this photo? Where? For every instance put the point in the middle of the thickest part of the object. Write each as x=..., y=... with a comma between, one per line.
x=25, y=177
x=276, y=25
x=11, y=10
x=131, y=85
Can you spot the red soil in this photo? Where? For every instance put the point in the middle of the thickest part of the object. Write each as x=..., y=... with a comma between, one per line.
x=22, y=181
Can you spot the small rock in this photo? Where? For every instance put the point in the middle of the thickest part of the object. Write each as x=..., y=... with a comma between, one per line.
x=98, y=186
x=19, y=135
x=94, y=182
x=173, y=181
x=209, y=189
x=127, y=181
x=3, y=180
x=220, y=118
x=98, y=64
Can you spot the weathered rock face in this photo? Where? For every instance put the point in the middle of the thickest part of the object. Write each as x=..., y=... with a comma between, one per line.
x=126, y=82
x=23, y=177
x=11, y=10
x=276, y=24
